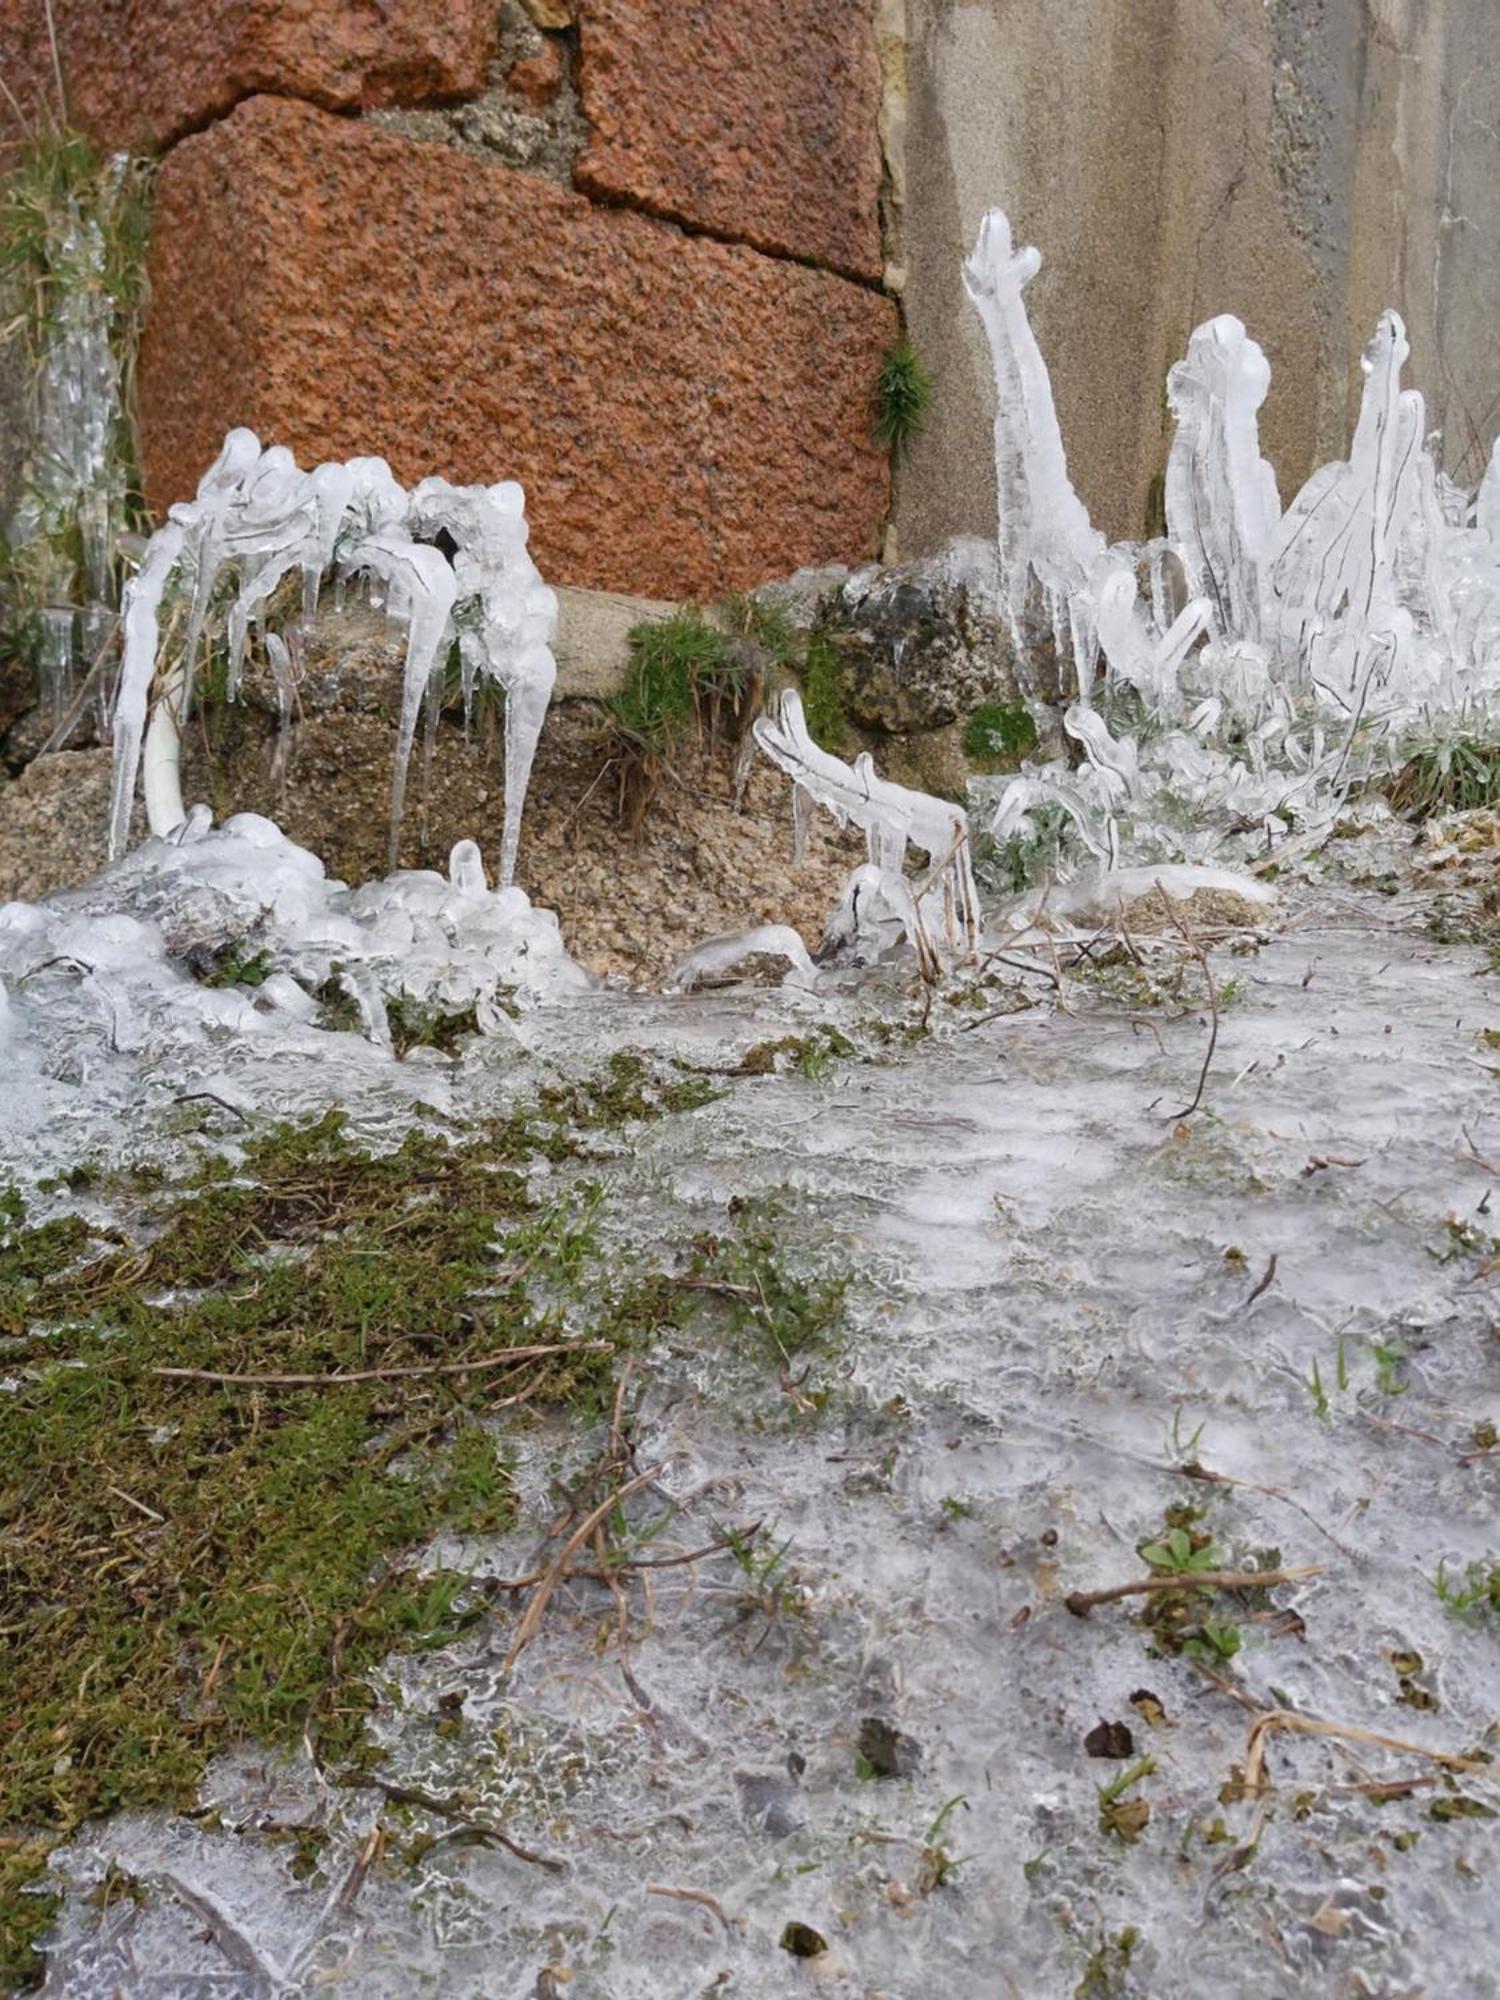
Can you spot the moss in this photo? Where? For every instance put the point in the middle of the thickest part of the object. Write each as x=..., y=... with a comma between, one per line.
x=625, y=1090
x=824, y=693
x=417, y=1024
x=998, y=737
x=185, y=1561
x=239, y=963
x=812, y=1056
x=903, y=397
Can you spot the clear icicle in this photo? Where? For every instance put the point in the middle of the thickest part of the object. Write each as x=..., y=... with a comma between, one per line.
x=891, y=818
x=258, y=518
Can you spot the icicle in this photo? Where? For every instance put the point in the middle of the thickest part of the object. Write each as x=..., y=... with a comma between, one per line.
x=257, y=516
x=891, y=816
x=141, y=613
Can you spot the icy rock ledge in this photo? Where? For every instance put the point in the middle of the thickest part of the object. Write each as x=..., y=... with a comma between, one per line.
x=449, y=563
x=103, y=988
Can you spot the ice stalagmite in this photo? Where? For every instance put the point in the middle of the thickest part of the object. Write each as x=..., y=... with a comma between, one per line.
x=259, y=518
x=1223, y=508
x=1048, y=544
x=891, y=818
x=1317, y=646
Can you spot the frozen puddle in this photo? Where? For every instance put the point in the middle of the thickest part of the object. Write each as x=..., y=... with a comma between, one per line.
x=1060, y=1301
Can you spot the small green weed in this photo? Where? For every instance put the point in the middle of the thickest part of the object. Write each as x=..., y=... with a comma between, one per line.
x=1479, y=1590
x=903, y=397
x=1181, y=1553
x=1125, y=1817
x=1106, y=1971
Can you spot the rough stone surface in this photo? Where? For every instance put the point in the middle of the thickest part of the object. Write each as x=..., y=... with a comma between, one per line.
x=140, y=76
x=922, y=643
x=1302, y=163
x=752, y=119
x=686, y=416
x=700, y=869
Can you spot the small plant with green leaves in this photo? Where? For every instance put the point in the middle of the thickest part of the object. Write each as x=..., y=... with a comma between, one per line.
x=1180, y=1552
x=1215, y=1645
x=903, y=398
x=1478, y=1591
x=939, y=1863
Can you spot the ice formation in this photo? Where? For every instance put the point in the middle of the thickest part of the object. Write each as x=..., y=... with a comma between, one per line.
x=108, y=993
x=72, y=503
x=258, y=519
x=1276, y=657
x=939, y=913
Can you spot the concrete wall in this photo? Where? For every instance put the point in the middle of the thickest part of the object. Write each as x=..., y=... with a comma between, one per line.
x=1302, y=163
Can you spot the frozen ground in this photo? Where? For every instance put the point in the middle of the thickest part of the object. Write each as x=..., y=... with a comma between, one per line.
x=1064, y=1295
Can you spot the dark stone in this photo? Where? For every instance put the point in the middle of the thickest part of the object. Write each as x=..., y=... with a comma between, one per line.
x=1110, y=1739
x=923, y=643
x=886, y=1750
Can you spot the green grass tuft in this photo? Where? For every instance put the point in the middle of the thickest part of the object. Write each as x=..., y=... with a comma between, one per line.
x=1455, y=777
x=903, y=397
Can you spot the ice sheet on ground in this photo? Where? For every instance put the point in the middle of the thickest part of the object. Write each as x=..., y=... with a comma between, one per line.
x=1052, y=1317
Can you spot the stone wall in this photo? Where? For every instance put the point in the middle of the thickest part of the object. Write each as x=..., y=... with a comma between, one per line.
x=645, y=255
x=626, y=251
x=1302, y=163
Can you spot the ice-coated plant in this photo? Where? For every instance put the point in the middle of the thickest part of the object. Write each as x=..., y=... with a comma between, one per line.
x=73, y=231
x=257, y=519
x=1277, y=657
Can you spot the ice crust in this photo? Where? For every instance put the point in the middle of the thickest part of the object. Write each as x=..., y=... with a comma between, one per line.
x=1050, y=1297
x=258, y=518
x=105, y=1021
x=1275, y=657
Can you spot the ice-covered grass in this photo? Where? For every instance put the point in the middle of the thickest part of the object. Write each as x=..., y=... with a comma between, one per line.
x=1083, y=1342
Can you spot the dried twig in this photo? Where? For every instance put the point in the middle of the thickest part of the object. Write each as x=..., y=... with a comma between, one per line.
x=1082, y=1602
x=1349, y=1732
x=532, y=1617
x=1267, y=1279
x=1213, y=1002
x=622, y=1567
x=700, y=1896
x=456, y=1810
x=1194, y=1470
x=504, y=1358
